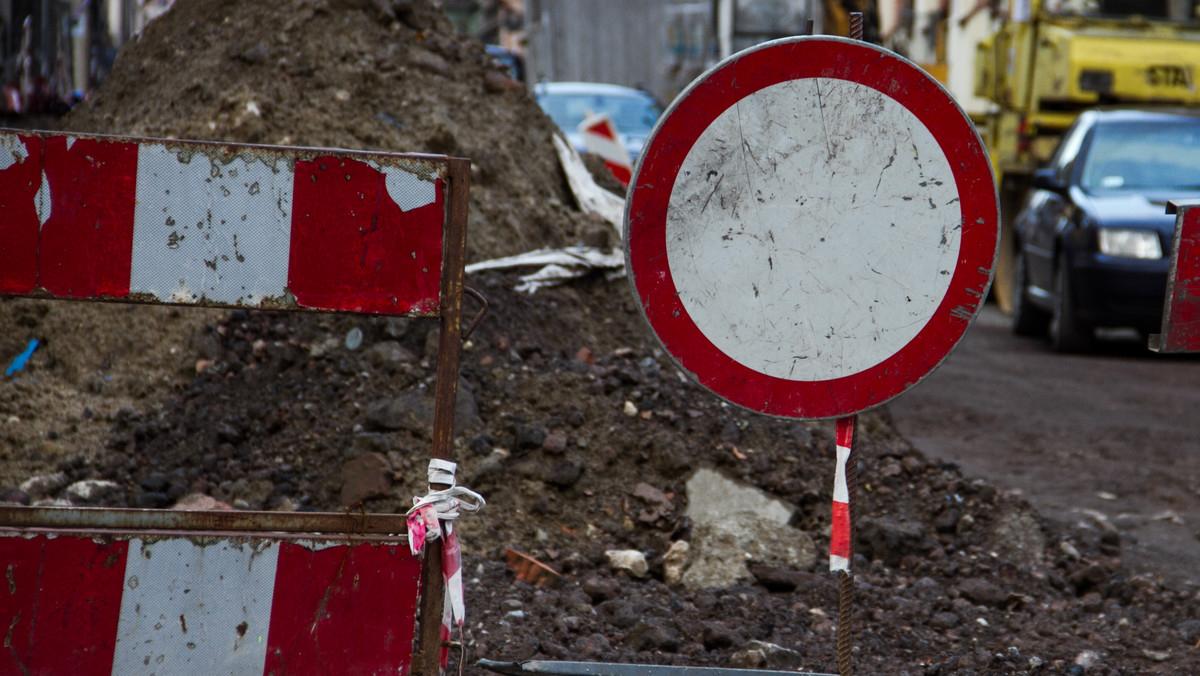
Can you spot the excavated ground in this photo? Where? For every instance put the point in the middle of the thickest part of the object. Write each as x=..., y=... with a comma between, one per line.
x=573, y=423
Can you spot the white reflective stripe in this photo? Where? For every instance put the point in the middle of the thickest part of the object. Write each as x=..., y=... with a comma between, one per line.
x=408, y=190
x=42, y=201
x=840, y=491
x=838, y=563
x=195, y=607
x=210, y=230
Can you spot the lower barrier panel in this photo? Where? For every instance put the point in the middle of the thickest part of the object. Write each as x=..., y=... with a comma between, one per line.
x=191, y=603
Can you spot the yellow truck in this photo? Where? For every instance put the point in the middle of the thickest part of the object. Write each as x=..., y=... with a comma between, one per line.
x=1050, y=60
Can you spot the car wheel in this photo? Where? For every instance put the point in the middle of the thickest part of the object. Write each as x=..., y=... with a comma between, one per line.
x=1068, y=333
x=1027, y=320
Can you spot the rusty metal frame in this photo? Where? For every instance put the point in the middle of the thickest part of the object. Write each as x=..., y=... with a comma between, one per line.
x=96, y=519
x=445, y=396
x=342, y=526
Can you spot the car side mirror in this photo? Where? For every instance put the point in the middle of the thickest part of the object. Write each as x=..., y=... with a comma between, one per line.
x=1045, y=179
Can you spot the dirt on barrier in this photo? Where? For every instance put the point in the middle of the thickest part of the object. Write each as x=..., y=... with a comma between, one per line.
x=578, y=430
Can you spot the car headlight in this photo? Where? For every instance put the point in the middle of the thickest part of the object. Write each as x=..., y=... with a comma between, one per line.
x=1124, y=243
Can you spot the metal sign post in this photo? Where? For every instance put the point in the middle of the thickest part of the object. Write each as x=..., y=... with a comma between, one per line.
x=811, y=229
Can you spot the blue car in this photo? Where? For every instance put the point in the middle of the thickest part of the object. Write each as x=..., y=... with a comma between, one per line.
x=1093, y=237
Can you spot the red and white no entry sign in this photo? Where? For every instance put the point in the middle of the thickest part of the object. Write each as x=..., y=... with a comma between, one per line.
x=812, y=227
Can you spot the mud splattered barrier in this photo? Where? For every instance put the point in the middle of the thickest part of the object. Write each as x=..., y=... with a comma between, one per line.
x=92, y=217
x=99, y=591
x=222, y=225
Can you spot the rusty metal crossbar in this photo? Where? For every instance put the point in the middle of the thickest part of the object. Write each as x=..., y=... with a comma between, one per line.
x=603, y=669
x=136, y=220
x=94, y=519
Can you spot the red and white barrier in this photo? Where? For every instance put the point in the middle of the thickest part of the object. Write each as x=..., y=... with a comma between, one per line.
x=601, y=138
x=220, y=224
x=1181, y=309
x=88, y=605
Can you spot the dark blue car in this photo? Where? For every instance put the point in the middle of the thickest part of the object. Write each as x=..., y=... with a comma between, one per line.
x=1093, y=238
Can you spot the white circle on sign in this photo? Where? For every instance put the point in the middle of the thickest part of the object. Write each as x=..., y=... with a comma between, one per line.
x=816, y=229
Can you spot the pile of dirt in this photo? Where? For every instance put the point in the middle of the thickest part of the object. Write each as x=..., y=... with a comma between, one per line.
x=576, y=427
x=353, y=74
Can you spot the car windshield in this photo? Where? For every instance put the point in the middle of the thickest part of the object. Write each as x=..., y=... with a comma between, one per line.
x=630, y=114
x=1141, y=156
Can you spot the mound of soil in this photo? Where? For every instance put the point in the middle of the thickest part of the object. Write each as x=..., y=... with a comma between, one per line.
x=576, y=427
x=353, y=74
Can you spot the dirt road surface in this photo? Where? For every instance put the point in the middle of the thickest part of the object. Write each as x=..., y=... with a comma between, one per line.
x=1111, y=438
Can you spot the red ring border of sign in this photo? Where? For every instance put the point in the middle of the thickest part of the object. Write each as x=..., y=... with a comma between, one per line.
x=695, y=109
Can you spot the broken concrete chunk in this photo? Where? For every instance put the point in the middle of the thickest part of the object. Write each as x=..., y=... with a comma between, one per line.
x=711, y=497
x=722, y=550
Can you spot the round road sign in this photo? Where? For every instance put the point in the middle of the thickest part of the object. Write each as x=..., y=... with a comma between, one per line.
x=812, y=227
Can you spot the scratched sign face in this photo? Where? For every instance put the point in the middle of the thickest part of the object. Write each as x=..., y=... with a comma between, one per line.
x=812, y=228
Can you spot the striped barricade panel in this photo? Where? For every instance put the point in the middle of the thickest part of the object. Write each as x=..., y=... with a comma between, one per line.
x=221, y=224
x=103, y=601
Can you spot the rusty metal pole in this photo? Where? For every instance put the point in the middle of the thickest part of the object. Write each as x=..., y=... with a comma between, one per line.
x=846, y=576
x=454, y=246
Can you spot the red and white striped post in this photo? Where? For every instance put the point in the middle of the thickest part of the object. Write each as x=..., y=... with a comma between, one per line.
x=841, y=548
x=841, y=535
